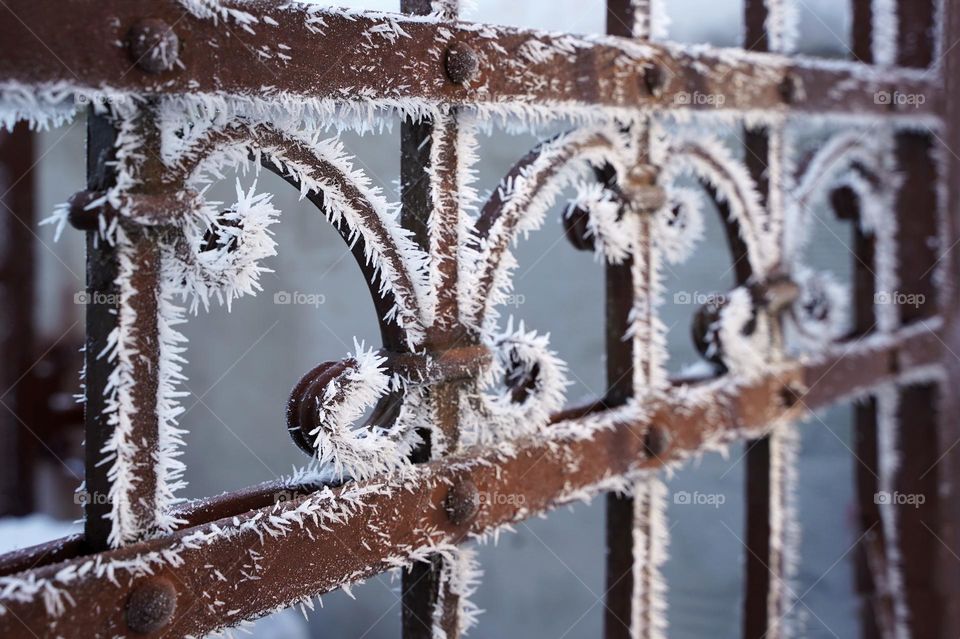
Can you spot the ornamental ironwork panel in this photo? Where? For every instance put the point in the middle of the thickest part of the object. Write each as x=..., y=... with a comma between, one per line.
x=457, y=401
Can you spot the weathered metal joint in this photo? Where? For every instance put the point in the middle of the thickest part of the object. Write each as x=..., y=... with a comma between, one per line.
x=642, y=191
x=776, y=294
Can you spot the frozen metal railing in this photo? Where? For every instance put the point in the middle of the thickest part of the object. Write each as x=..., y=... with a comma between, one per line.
x=183, y=90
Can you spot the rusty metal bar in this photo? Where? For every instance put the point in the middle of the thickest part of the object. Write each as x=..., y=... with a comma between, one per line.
x=339, y=59
x=101, y=320
x=135, y=514
x=947, y=579
x=431, y=211
x=621, y=615
x=870, y=556
x=342, y=549
x=17, y=339
x=762, y=603
x=924, y=432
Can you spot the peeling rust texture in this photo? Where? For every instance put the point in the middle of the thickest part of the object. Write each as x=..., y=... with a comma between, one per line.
x=343, y=59
x=344, y=551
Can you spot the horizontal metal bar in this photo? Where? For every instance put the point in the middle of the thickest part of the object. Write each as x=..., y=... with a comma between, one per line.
x=244, y=562
x=316, y=53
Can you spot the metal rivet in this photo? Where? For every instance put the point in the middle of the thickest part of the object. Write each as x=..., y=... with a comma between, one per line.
x=153, y=45
x=790, y=396
x=656, y=441
x=151, y=605
x=653, y=78
x=894, y=361
x=461, y=63
x=462, y=503
x=789, y=88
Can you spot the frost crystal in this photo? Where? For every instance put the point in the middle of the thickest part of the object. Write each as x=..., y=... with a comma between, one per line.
x=220, y=255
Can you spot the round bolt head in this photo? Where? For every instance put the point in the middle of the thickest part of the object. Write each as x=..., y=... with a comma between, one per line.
x=462, y=503
x=790, y=396
x=656, y=441
x=790, y=88
x=153, y=45
x=653, y=79
x=151, y=605
x=461, y=63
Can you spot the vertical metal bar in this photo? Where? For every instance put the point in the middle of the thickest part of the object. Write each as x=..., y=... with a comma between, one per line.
x=17, y=339
x=925, y=432
x=625, y=616
x=947, y=578
x=103, y=318
x=762, y=603
x=872, y=583
x=429, y=148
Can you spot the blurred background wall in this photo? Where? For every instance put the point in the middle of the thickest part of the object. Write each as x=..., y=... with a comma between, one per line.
x=545, y=581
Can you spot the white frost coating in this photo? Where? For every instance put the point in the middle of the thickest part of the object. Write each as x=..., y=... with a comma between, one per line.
x=222, y=253
x=650, y=544
x=704, y=156
x=885, y=32
x=339, y=207
x=745, y=335
x=887, y=400
x=820, y=315
x=120, y=409
x=863, y=161
x=785, y=530
x=460, y=576
x=659, y=20
x=214, y=10
x=455, y=200
x=320, y=509
x=610, y=239
x=680, y=224
x=646, y=330
x=172, y=346
x=527, y=384
x=526, y=197
x=782, y=25
x=362, y=452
